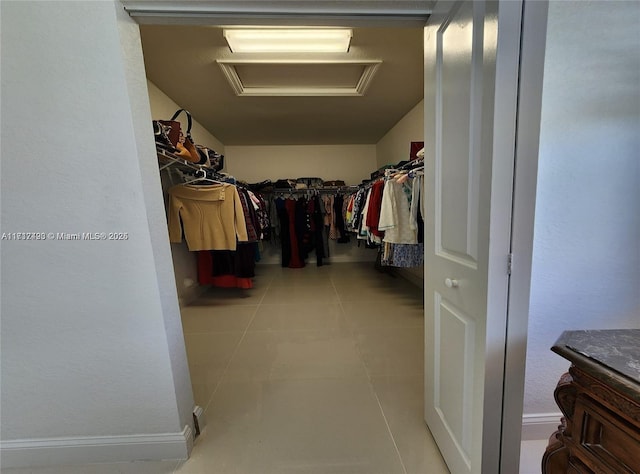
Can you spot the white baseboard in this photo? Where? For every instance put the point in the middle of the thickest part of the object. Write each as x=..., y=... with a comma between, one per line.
x=199, y=419
x=195, y=293
x=539, y=426
x=96, y=449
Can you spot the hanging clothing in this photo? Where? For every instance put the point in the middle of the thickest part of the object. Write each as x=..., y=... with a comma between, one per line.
x=295, y=261
x=211, y=216
x=227, y=269
x=303, y=229
x=314, y=210
x=250, y=218
x=358, y=205
x=348, y=215
x=363, y=232
x=417, y=206
x=403, y=255
x=375, y=205
x=262, y=215
x=274, y=218
x=338, y=211
x=416, y=201
x=285, y=236
x=395, y=215
x=330, y=218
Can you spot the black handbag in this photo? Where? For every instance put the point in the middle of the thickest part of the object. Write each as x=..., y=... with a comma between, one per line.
x=161, y=134
x=209, y=158
x=172, y=130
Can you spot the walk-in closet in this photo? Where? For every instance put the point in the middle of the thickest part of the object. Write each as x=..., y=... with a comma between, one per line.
x=227, y=256
x=293, y=189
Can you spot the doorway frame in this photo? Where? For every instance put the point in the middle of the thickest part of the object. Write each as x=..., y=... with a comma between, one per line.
x=415, y=13
x=528, y=116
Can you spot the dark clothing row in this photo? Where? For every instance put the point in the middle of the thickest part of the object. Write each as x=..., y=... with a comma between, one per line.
x=301, y=230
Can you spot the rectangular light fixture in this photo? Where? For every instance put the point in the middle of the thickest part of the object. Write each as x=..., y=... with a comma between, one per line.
x=288, y=40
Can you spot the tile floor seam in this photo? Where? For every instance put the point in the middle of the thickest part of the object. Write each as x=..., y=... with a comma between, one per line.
x=235, y=351
x=371, y=386
x=338, y=330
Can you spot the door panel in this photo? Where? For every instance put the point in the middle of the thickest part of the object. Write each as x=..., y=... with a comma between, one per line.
x=452, y=395
x=469, y=129
x=457, y=228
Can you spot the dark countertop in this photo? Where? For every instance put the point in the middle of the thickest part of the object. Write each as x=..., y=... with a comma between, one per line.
x=611, y=355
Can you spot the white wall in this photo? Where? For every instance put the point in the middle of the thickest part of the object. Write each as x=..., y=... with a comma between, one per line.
x=184, y=262
x=92, y=345
x=395, y=146
x=350, y=163
x=586, y=259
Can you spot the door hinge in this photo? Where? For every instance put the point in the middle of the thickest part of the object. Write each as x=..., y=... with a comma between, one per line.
x=509, y=263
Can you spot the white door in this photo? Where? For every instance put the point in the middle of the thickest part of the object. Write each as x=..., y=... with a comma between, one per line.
x=471, y=77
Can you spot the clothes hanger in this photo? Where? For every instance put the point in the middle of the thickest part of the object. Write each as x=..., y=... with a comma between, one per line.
x=202, y=177
x=416, y=172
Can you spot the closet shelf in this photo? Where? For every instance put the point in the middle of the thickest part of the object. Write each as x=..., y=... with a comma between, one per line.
x=167, y=159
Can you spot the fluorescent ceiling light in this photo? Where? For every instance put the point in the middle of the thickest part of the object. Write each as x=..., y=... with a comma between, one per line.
x=288, y=40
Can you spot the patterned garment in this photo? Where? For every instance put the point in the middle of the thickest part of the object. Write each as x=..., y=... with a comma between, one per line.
x=358, y=204
x=348, y=217
x=249, y=213
x=339, y=212
x=403, y=255
x=329, y=202
x=328, y=209
x=262, y=214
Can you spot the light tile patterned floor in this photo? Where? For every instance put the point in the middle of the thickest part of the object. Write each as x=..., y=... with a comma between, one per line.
x=314, y=371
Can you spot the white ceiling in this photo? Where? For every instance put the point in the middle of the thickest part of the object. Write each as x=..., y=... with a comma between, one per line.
x=181, y=61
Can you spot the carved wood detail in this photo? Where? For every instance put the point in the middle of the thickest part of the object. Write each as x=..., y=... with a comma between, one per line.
x=583, y=444
x=565, y=395
x=605, y=394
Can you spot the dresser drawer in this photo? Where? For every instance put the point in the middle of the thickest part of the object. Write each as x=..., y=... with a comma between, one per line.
x=605, y=441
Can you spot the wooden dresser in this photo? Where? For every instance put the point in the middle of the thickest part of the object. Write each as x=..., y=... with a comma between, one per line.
x=600, y=400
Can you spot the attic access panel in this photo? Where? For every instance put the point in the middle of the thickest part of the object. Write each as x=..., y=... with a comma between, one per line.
x=299, y=77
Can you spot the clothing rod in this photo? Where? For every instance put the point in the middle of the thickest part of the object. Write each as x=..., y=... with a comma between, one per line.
x=310, y=190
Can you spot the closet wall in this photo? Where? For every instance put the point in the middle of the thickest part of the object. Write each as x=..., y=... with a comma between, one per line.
x=395, y=147
x=350, y=163
x=93, y=361
x=184, y=262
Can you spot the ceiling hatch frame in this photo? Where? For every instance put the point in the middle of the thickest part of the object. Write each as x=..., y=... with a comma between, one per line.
x=228, y=67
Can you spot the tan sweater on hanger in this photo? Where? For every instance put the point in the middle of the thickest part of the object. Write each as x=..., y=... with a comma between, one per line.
x=210, y=215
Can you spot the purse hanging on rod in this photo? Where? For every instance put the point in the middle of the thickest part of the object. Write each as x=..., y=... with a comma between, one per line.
x=183, y=144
